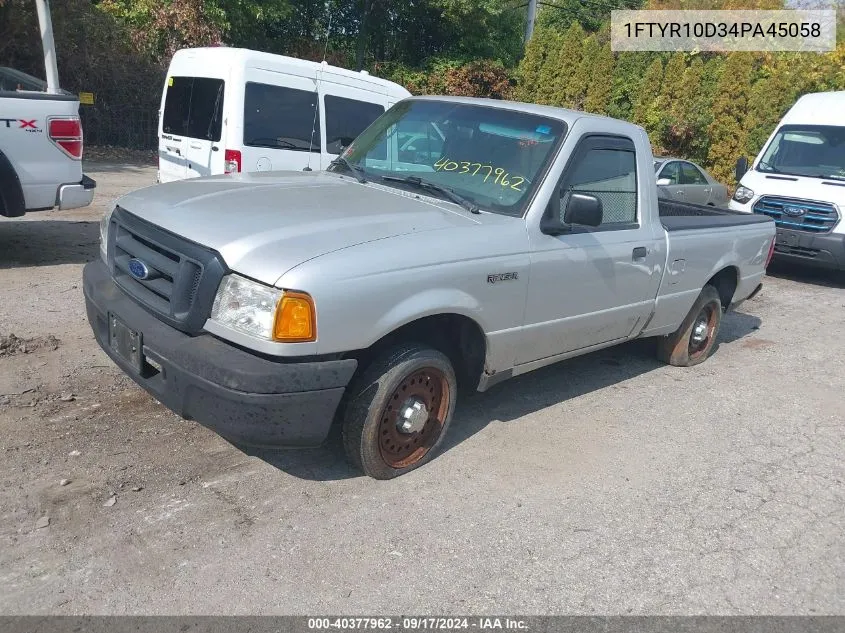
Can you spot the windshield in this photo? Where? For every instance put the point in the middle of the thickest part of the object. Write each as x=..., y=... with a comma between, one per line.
x=490, y=156
x=806, y=150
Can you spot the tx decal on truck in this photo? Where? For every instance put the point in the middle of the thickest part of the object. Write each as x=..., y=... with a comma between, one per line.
x=25, y=124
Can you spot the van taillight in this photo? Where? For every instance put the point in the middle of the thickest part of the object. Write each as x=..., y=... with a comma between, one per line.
x=771, y=253
x=66, y=134
x=232, y=161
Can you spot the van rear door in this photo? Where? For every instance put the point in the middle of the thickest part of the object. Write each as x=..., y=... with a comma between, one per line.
x=172, y=144
x=192, y=124
x=205, y=127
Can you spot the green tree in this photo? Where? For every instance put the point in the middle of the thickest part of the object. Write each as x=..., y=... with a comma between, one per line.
x=768, y=100
x=550, y=70
x=565, y=85
x=646, y=111
x=600, y=88
x=531, y=65
x=728, y=131
x=580, y=82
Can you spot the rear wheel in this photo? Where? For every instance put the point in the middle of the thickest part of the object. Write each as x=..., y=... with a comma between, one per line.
x=398, y=410
x=692, y=343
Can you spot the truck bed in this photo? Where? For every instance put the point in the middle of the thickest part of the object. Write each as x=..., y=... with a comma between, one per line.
x=684, y=216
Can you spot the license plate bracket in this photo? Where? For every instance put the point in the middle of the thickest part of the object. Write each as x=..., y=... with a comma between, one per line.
x=125, y=342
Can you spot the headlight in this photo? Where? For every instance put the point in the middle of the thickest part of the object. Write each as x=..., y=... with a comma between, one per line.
x=264, y=312
x=743, y=194
x=105, y=222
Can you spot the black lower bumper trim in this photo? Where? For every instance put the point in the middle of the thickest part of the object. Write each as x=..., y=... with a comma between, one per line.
x=245, y=398
x=820, y=251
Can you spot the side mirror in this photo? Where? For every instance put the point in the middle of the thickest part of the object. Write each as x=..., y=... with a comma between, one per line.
x=583, y=209
x=662, y=182
x=741, y=168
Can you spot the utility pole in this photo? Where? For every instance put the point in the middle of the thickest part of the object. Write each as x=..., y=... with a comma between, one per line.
x=49, y=45
x=532, y=16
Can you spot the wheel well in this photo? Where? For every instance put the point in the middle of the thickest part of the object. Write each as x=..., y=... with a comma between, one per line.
x=725, y=283
x=457, y=336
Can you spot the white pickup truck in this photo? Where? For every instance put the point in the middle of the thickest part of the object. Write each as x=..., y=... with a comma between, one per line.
x=40, y=148
x=267, y=305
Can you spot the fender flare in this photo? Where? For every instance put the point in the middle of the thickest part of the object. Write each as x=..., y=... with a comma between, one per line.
x=11, y=193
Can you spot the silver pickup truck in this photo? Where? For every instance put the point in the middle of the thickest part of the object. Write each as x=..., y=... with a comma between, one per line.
x=504, y=238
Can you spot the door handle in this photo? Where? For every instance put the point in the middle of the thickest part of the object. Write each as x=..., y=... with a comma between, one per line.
x=196, y=146
x=640, y=253
x=680, y=192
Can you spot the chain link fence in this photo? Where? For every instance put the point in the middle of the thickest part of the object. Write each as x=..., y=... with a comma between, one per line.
x=130, y=127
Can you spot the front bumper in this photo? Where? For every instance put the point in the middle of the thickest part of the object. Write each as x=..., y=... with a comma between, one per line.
x=76, y=195
x=245, y=398
x=820, y=251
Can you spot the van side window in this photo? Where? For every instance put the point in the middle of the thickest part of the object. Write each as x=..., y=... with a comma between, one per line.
x=346, y=119
x=604, y=167
x=193, y=107
x=281, y=118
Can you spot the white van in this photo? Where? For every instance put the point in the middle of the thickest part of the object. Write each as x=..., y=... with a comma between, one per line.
x=227, y=110
x=799, y=180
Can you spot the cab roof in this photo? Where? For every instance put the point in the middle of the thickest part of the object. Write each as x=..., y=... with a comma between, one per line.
x=553, y=112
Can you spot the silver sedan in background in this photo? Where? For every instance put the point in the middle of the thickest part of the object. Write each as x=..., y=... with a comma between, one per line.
x=684, y=181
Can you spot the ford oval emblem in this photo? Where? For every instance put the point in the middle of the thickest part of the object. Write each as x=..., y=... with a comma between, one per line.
x=138, y=269
x=794, y=212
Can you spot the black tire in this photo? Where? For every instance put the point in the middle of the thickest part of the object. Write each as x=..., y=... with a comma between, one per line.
x=407, y=373
x=685, y=347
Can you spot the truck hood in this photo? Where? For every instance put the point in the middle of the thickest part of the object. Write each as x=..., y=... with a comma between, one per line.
x=788, y=186
x=265, y=224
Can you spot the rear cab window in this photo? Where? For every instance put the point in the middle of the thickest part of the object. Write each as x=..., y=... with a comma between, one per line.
x=281, y=118
x=193, y=107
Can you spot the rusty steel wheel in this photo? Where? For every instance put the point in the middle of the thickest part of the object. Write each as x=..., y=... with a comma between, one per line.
x=398, y=409
x=693, y=341
x=703, y=331
x=414, y=417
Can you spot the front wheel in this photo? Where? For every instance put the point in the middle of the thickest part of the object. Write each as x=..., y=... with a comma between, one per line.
x=692, y=343
x=398, y=410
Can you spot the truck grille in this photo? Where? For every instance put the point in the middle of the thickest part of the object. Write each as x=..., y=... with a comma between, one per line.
x=799, y=215
x=178, y=278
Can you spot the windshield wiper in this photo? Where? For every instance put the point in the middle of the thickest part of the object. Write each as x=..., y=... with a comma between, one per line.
x=356, y=171
x=418, y=182
x=832, y=176
x=265, y=141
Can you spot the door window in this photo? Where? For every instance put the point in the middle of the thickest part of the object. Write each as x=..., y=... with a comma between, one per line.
x=672, y=171
x=281, y=118
x=691, y=175
x=346, y=119
x=604, y=167
x=193, y=107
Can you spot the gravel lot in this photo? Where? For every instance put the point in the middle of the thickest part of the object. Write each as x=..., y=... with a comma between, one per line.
x=606, y=484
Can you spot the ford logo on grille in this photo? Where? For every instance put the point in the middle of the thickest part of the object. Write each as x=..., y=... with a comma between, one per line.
x=794, y=212
x=138, y=269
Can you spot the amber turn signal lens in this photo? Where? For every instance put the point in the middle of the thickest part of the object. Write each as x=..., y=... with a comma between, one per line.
x=296, y=320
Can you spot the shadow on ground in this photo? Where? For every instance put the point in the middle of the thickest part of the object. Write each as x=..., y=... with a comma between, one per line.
x=47, y=242
x=806, y=274
x=511, y=400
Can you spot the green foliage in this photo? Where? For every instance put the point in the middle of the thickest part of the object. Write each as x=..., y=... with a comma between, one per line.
x=564, y=84
x=538, y=48
x=647, y=106
x=591, y=15
x=600, y=86
x=729, y=131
